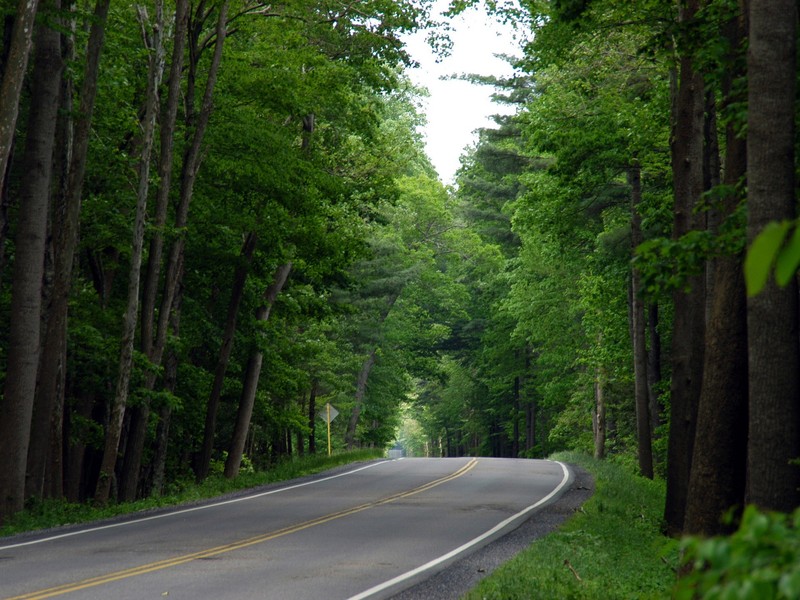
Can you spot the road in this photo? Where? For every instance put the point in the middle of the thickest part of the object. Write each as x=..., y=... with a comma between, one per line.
x=367, y=532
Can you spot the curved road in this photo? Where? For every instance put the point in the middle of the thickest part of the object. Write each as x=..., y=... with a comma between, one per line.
x=367, y=532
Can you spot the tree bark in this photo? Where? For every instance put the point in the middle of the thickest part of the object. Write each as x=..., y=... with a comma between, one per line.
x=16, y=408
x=237, y=292
x=50, y=393
x=772, y=316
x=644, y=437
x=13, y=75
x=689, y=319
x=252, y=376
x=114, y=432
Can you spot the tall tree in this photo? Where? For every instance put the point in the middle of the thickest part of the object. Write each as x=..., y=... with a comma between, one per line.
x=252, y=375
x=772, y=316
x=717, y=478
x=114, y=431
x=638, y=333
x=44, y=456
x=226, y=347
x=16, y=407
x=689, y=321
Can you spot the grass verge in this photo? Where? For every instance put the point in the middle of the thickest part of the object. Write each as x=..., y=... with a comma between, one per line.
x=44, y=514
x=611, y=549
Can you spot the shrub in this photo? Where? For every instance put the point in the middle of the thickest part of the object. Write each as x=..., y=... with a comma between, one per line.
x=760, y=561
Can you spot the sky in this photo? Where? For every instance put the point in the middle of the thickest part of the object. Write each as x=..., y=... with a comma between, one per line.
x=455, y=108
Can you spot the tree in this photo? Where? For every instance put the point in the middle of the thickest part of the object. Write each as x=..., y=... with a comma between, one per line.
x=689, y=322
x=772, y=316
x=252, y=375
x=16, y=408
x=114, y=431
x=717, y=478
x=45, y=472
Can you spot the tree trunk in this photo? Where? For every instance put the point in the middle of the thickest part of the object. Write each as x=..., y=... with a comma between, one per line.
x=312, y=418
x=530, y=407
x=515, y=424
x=599, y=420
x=689, y=319
x=16, y=409
x=50, y=393
x=237, y=292
x=156, y=482
x=530, y=425
x=76, y=448
x=363, y=376
x=772, y=316
x=644, y=436
x=114, y=432
x=252, y=375
x=167, y=143
x=719, y=464
x=13, y=75
x=361, y=391
x=718, y=467
x=654, y=365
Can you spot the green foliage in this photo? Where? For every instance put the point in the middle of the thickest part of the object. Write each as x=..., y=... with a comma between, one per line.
x=613, y=544
x=773, y=249
x=761, y=560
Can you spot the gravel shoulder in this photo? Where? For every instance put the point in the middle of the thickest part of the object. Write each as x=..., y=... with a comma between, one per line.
x=461, y=576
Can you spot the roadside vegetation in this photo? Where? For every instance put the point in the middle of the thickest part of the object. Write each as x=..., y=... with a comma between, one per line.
x=44, y=514
x=612, y=548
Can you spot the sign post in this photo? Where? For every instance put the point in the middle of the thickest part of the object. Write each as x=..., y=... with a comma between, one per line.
x=329, y=415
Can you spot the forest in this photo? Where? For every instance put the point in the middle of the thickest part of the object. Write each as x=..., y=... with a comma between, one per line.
x=217, y=218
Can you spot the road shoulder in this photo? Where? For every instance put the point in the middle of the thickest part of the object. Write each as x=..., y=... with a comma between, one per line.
x=461, y=576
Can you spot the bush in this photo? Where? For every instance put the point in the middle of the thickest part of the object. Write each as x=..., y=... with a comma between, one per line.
x=760, y=561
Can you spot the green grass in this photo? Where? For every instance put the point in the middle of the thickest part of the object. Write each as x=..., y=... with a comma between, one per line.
x=44, y=514
x=613, y=545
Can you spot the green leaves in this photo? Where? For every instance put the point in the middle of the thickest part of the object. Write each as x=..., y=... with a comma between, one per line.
x=773, y=248
x=761, y=560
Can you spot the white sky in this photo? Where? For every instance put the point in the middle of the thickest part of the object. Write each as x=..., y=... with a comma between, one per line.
x=455, y=108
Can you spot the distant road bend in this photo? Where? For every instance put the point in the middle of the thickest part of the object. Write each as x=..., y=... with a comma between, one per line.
x=367, y=532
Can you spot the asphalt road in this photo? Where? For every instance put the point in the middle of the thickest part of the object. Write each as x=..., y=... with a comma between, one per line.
x=370, y=531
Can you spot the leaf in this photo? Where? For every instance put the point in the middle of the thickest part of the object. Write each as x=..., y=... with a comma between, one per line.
x=788, y=259
x=761, y=255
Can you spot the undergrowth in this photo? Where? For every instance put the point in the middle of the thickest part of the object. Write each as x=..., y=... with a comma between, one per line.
x=45, y=514
x=612, y=548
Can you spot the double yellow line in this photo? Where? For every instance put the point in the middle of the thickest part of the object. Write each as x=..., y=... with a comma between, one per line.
x=179, y=560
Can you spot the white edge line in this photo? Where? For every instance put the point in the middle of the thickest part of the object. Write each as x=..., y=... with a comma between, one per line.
x=445, y=557
x=188, y=510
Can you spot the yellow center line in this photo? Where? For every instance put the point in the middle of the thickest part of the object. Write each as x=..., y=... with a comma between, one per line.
x=209, y=552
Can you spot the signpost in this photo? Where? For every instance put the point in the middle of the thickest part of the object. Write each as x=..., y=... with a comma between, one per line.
x=328, y=415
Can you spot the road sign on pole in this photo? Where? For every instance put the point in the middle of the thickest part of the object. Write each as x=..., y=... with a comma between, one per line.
x=328, y=415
